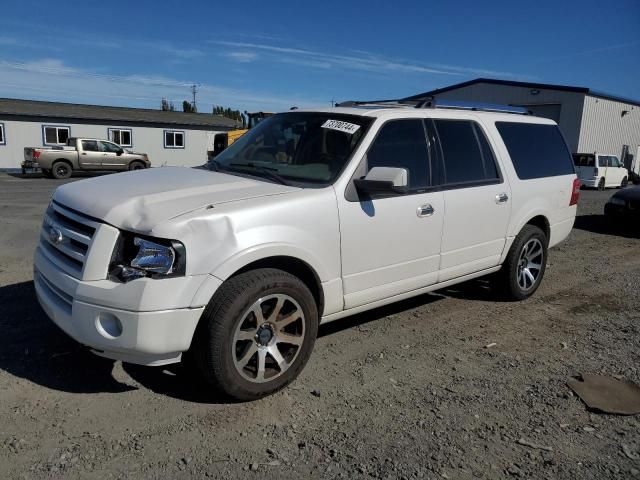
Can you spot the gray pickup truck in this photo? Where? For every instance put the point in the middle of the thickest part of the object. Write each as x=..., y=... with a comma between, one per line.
x=82, y=154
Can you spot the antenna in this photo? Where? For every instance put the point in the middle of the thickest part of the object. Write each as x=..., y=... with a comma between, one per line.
x=194, y=90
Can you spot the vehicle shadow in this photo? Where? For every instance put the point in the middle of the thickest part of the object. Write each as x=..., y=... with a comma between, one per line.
x=35, y=349
x=605, y=226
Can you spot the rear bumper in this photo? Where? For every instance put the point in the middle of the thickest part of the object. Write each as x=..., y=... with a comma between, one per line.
x=154, y=337
x=589, y=182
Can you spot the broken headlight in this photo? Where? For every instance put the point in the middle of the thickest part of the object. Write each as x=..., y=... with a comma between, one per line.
x=136, y=257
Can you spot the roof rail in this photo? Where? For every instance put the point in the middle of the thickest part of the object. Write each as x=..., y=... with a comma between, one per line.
x=431, y=102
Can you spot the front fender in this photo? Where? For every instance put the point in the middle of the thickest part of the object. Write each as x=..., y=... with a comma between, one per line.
x=248, y=256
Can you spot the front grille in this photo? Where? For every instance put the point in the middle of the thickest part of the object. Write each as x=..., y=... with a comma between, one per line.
x=66, y=237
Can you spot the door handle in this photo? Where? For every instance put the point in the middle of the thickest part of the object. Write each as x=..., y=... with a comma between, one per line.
x=425, y=210
x=502, y=198
x=83, y=153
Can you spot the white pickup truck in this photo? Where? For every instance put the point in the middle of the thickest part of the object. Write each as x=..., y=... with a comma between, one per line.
x=87, y=154
x=309, y=217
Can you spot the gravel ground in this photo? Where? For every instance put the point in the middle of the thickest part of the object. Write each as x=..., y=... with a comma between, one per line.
x=407, y=391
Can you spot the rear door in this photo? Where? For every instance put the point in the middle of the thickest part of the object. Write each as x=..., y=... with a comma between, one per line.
x=585, y=164
x=89, y=155
x=476, y=199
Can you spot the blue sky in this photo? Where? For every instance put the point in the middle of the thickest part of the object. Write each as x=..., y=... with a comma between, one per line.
x=273, y=55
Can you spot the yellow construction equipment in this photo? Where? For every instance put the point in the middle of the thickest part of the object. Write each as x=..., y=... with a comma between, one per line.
x=252, y=120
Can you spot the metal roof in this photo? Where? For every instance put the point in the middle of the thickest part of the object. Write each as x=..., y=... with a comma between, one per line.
x=510, y=83
x=35, y=108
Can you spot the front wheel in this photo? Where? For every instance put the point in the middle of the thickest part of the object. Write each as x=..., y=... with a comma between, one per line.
x=525, y=264
x=625, y=182
x=136, y=165
x=256, y=334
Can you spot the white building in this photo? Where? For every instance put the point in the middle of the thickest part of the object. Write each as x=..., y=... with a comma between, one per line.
x=169, y=138
x=590, y=121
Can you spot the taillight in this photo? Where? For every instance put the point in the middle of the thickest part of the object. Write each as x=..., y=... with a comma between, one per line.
x=595, y=172
x=575, y=192
x=36, y=154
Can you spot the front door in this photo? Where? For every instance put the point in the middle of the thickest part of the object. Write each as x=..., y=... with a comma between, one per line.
x=476, y=199
x=391, y=244
x=112, y=155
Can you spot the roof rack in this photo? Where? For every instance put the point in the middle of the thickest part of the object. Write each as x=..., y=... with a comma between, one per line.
x=431, y=102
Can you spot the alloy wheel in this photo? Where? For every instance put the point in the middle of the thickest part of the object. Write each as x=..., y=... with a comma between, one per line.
x=530, y=264
x=268, y=338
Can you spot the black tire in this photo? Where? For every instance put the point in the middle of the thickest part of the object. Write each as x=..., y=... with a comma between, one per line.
x=61, y=170
x=601, y=184
x=624, y=183
x=511, y=274
x=216, y=350
x=135, y=165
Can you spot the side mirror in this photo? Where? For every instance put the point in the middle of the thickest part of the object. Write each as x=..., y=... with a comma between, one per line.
x=120, y=152
x=384, y=180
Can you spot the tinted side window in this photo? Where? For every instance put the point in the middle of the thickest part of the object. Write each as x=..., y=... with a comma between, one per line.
x=536, y=150
x=467, y=155
x=402, y=144
x=90, y=145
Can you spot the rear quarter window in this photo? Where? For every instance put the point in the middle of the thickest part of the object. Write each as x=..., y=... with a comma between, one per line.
x=536, y=150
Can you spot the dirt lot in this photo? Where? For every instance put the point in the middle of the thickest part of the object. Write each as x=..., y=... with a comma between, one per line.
x=408, y=391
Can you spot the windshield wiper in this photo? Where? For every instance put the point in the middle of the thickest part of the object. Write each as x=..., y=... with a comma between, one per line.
x=268, y=172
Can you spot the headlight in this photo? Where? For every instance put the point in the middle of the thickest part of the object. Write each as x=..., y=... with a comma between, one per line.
x=137, y=257
x=617, y=201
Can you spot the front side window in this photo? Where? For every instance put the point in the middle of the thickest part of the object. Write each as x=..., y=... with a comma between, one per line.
x=3, y=140
x=109, y=147
x=55, y=135
x=173, y=139
x=536, y=150
x=121, y=136
x=615, y=162
x=402, y=144
x=304, y=148
x=468, y=158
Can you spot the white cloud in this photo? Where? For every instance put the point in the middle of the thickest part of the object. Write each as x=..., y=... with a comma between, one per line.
x=242, y=57
x=357, y=60
x=51, y=79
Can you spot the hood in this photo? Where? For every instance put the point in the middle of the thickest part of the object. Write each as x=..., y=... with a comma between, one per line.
x=141, y=199
x=631, y=193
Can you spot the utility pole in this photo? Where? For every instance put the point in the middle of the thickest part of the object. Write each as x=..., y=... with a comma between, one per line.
x=194, y=90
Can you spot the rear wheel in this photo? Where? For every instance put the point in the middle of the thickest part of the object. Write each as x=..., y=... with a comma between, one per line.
x=625, y=182
x=136, y=166
x=525, y=264
x=601, y=184
x=256, y=334
x=61, y=170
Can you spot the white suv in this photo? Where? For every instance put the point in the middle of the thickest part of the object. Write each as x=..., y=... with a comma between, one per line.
x=309, y=217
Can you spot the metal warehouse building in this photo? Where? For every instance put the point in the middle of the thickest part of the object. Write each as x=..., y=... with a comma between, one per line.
x=169, y=138
x=590, y=121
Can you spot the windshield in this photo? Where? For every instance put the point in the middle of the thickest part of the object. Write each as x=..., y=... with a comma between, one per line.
x=297, y=147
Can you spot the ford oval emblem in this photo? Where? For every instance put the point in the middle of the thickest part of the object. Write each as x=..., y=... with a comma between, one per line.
x=55, y=235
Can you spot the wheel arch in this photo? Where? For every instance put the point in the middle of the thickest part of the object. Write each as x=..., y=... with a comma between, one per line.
x=542, y=223
x=294, y=265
